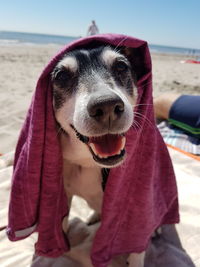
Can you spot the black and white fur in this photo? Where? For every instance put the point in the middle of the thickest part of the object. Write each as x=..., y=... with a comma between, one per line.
x=93, y=97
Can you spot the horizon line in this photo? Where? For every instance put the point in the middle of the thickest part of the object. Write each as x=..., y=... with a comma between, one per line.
x=76, y=37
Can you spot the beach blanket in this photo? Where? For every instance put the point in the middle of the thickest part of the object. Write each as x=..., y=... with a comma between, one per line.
x=140, y=195
x=177, y=138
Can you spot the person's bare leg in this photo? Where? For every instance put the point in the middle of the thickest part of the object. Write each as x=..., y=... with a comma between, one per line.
x=163, y=103
x=136, y=259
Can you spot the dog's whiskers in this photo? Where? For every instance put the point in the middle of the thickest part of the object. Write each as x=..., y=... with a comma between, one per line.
x=120, y=43
x=141, y=87
x=146, y=120
x=136, y=125
x=139, y=115
x=137, y=105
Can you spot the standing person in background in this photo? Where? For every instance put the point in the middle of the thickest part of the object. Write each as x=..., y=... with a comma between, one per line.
x=93, y=29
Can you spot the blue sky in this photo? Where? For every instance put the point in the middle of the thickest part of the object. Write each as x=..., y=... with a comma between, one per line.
x=164, y=22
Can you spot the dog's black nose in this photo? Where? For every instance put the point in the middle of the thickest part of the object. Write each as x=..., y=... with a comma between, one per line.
x=105, y=107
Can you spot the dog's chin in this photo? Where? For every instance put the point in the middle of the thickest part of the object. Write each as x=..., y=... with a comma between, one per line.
x=107, y=150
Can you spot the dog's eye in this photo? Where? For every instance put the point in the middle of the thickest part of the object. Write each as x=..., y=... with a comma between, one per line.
x=61, y=76
x=121, y=66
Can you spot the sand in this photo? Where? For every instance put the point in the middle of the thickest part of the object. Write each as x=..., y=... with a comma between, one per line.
x=170, y=75
x=21, y=65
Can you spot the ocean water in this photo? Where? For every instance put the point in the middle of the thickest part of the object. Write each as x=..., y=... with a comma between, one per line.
x=17, y=38
x=174, y=50
x=10, y=38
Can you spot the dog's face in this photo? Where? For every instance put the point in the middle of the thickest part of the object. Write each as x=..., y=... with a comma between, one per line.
x=93, y=99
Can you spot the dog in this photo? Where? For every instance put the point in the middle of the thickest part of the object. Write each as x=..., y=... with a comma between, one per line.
x=94, y=94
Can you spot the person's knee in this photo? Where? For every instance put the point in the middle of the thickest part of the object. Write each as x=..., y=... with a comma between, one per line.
x=163, y=103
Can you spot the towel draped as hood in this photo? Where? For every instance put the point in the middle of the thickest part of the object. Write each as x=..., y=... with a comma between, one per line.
x=140, y=195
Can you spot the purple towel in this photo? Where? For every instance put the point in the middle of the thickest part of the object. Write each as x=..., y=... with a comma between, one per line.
x=140, y=195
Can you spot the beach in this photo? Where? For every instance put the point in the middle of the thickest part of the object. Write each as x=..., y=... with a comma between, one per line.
x=170, y=75
x=22, y=64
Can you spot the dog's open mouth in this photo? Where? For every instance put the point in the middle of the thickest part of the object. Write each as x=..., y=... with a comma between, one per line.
x=108, y=149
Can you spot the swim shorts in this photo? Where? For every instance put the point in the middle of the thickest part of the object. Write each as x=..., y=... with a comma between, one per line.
x=185, y=114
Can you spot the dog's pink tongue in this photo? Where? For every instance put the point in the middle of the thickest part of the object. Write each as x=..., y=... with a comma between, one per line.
x=107, y=145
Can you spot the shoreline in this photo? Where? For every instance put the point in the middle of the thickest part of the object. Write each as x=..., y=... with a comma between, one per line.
x=21, y=66
x=16, y=43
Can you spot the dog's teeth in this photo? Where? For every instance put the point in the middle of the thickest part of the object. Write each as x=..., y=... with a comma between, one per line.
x=92, y=146
x=119, y=152
x=123, y=143
x=96, y=153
